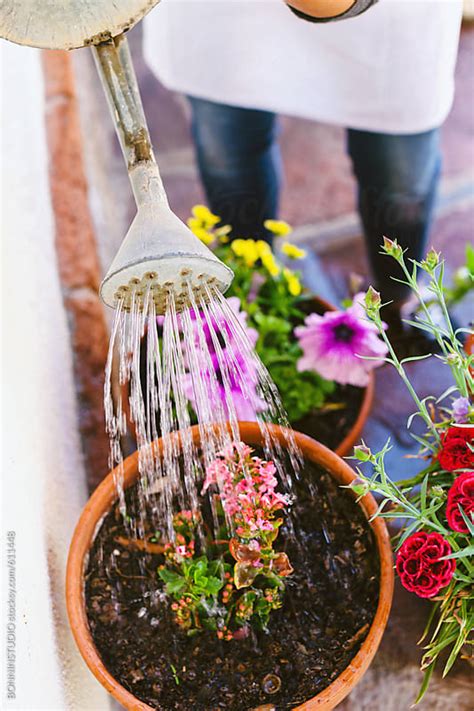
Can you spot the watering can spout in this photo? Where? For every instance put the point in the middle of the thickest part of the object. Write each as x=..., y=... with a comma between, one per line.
x=160, y=255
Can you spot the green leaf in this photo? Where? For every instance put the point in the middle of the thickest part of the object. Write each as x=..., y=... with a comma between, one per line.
x=426, y=681
x=271, y=324
x=423, y=491
x=412, y=359
x=469, y=523
x=214, y=585
x=463, y=578
x=464, y=553
x=407, y=532
x=434, y=609
x=175, y=582
x=463, y=632
x=449, y=391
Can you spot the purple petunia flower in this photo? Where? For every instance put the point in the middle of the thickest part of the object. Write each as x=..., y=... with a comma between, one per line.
x=460, y=410
x=333, y=344
x=239, y=368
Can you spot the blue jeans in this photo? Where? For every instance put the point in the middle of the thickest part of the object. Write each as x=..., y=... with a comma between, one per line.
x=240, y=165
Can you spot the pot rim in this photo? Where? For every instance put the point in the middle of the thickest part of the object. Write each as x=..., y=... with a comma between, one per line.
x=99, y=505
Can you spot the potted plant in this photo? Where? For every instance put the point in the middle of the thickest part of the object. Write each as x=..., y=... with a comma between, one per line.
x=311, y=349
x=243, y=619
x=435, y=508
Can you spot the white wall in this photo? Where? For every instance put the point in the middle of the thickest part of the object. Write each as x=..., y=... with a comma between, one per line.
x=42, y=472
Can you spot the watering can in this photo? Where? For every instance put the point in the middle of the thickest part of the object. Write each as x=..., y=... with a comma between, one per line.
x=159, y=254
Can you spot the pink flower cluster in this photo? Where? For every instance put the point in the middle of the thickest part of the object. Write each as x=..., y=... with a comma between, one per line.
x=247, y=487
x=180, y=549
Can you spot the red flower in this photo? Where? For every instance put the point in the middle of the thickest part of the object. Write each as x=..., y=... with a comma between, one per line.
x=461, y=494
x=455, y=452
x=419, y=566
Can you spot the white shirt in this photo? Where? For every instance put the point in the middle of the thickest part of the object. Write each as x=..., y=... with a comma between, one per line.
x=390, y=69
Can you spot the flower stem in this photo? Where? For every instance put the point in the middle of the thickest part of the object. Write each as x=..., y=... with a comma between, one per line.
x=462, y=376
x=422, y=409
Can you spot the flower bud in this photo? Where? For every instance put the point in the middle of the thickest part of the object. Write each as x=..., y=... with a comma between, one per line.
x=362, y=453
x=392, y=248
x=431, y=261
x=454, y=359
x=372, y=302
x=438, y=491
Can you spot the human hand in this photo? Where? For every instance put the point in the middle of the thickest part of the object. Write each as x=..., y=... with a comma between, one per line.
x=321, y=9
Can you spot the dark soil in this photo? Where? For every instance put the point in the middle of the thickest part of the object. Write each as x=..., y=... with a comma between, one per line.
x=330, y=602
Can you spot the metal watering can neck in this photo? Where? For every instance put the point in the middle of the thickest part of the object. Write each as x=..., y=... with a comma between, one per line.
x=115, y=68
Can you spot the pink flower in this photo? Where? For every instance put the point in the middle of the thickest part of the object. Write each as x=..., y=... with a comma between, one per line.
x=216, y=473
x=227, y=364
x=247, y=489
x=240, y=448
x=333, y=344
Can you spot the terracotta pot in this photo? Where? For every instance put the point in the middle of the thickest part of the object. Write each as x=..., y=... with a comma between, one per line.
x=351, y=438
x=100, y=504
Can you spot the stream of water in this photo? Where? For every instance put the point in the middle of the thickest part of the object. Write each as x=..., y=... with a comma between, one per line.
x=195, y=365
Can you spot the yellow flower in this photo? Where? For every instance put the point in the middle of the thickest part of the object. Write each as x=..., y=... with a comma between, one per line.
x=222, y=234
x=204, y=235
x=207, y=218
x=278, y=227
x=194, y=224
x=294, y=284
x=263, y=248
x=247, y=249
x=269, y=262
x=292, y=251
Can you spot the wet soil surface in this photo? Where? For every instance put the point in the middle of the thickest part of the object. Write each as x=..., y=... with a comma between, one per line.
x=329, y=604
